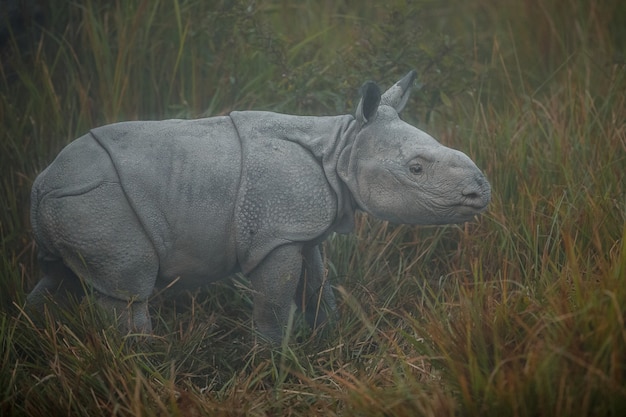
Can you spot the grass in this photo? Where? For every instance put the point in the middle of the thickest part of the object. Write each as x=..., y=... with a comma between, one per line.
x=519, y=313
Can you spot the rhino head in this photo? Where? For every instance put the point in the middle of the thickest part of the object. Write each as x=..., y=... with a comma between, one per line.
x=399, y=173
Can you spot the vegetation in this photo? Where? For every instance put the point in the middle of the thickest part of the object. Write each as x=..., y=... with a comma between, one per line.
x=520, y=313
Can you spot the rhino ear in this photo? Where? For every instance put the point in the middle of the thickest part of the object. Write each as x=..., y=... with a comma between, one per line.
x=399, y=93
x=368, y=105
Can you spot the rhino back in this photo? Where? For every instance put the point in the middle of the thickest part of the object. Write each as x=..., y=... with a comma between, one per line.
x=181, y=178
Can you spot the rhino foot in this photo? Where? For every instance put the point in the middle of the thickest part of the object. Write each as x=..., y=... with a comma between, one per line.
x=132, y=316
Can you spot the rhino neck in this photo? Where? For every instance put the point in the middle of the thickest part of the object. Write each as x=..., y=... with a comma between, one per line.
x=325, y=137
x=338, y=139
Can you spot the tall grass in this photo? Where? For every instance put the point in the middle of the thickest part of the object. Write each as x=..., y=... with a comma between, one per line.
x=518, y=313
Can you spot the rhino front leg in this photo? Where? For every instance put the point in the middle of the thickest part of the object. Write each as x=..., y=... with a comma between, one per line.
x=314, y=295
x=275, y=281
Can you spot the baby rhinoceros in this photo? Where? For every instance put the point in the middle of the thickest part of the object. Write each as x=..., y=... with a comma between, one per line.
x=134, y=206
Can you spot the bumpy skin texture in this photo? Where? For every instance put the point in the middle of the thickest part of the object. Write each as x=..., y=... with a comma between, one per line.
x=137, y=205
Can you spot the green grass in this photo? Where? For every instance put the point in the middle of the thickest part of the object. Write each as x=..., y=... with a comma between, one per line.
x=519, y=313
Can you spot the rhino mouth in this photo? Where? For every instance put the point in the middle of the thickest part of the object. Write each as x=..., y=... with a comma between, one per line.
x=467, y=211
x=457, y=214
x=475, y=201
x=471, y=204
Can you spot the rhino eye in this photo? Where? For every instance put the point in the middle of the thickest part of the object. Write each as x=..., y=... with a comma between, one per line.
x=415, y=169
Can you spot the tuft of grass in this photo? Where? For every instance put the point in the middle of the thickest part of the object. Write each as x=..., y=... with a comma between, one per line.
x=519, y=313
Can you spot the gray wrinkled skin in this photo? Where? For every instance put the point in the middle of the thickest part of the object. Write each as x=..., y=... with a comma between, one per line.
x=134, y=206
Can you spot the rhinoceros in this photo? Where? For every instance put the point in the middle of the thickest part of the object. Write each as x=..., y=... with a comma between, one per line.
x=134, y=206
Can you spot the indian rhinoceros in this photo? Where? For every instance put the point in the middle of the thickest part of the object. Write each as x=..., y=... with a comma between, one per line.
x=133, y=206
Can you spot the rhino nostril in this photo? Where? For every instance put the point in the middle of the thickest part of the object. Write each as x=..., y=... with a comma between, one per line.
x=477, y=193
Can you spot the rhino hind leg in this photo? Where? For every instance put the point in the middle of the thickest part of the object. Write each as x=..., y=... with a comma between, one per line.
x=100, y=239
x=132, y=316
x=314, y=295
x=59, y=284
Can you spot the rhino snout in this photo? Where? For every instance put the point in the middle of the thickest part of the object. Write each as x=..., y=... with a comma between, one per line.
x=477, y=193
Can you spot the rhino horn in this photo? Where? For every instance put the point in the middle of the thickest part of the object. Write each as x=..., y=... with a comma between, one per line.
x=399, y=93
